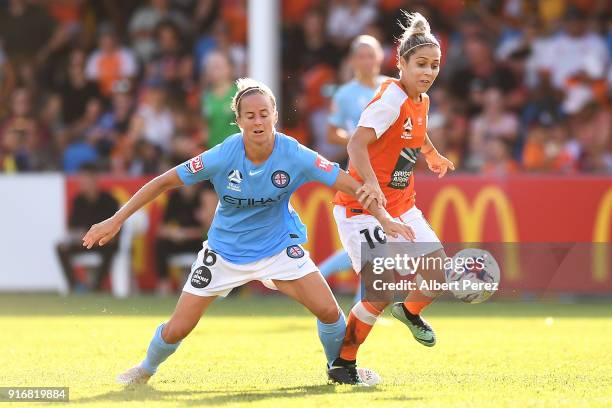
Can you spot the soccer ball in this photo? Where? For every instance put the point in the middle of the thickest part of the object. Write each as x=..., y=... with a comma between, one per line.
x=474, y=275
x=369, y=377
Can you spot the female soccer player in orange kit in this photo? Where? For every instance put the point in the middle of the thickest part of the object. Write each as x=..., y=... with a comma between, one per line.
x=383, y=151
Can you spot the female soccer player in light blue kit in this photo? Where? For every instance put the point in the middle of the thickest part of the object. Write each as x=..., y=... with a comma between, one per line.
x=255, y=234
x=349, y=101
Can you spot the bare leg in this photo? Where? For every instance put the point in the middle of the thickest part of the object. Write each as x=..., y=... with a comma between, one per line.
x=314, y=293
x=186, y=316
x=417, y=299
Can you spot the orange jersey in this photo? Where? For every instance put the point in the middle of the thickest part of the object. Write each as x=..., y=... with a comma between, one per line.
x=400, y=125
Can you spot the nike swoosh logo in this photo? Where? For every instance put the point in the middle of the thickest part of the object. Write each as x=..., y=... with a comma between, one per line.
x=254, y=173
x=302, y=264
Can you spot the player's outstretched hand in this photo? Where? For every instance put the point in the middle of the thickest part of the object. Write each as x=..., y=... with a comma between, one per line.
x=101, y=233
x=439, y=164
x=394, y=228
x=369, y=192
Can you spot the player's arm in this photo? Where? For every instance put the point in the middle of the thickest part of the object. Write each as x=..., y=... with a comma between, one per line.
x=349, y=185
x=358, y=154
x=104, y=231
x=435, y=161
x=337, y=135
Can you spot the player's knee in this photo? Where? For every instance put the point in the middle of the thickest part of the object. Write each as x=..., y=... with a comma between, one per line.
x=174, y=332
x=329, y=314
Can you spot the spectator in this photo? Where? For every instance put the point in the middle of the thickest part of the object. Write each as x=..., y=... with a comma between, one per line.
x=110, y=62
x=42, y=37
x=561, y=54
x=220, y=40
x=308, y=46
x=170, y=60
x=181, y=231
x=22, y=136
x=188, y=140
x=204, y=13
x=591, y=126
x=143, y=22
x=68, y=14
x=90, y=206
x=469, y=83
x=219, y=89
x=153, y=121
x=347, y=19
x=548, y=59
x=145, y=159
x=495, y=122
x=82, y=138
x=113, y=125
x=234, y=15
x=498, y=160
x=447, y=128
x=7, y=79
x=76, y=90
x=544, y=149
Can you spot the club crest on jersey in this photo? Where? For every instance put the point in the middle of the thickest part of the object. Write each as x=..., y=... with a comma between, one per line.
x=194, y=165
x=323, y=164
x=280, y=179
x=295, y=252
x=235, y=178
x=407, y=134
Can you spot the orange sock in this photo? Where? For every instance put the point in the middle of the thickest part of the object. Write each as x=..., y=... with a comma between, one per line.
x=416, y=301
x=416, y=307
x=360, y=321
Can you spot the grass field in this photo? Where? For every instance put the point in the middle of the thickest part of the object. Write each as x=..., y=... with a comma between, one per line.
x=265, y=352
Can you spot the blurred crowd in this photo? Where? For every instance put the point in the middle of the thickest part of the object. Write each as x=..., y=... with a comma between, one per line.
x=136, y=87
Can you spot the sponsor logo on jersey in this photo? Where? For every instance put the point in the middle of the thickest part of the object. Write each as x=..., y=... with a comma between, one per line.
x=419, y=121
x=295, y=251
x=407, y=134
x=400, y=178
x=280, y=179
x=242, y=202
x=194, y=165
x=235, y=178
x=323, y=164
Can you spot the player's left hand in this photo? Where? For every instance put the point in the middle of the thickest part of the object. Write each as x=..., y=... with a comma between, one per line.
x=394, y=228
x=439, y=164
x=366, y=194
x=101, y=233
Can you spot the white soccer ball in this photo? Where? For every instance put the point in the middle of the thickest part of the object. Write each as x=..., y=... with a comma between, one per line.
x=474, y=276
x=368, y=376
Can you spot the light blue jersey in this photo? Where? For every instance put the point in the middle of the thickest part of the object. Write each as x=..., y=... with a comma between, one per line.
x=348, y=103
x=254, y=219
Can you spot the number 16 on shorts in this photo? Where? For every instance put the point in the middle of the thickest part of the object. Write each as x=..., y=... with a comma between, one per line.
x=377, y=234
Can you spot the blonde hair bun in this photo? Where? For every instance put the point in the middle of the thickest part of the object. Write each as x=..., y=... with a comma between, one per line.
x=417, y=25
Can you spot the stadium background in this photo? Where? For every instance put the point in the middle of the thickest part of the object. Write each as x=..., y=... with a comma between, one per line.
x=521, y=106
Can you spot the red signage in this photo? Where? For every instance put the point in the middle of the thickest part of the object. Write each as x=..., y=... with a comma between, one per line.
x=522, y=209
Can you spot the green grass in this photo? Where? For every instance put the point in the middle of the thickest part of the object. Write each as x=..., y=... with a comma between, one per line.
x=265, y=352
